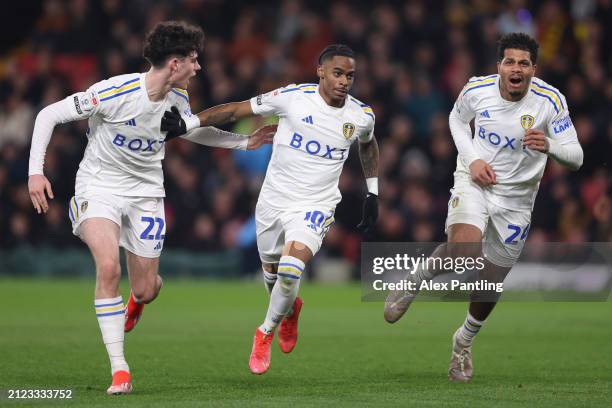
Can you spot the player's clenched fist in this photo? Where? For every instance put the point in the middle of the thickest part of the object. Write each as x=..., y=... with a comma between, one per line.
x=38, y=185
x=482, y=174
x=535, y=139
x=173, y=124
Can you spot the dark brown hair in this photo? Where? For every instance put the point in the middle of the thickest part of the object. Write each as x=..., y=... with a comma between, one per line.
x=171, y=38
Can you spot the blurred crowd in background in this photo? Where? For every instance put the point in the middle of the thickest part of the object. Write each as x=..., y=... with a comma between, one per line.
x=413, y=59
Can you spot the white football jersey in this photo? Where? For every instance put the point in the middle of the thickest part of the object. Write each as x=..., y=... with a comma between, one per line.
x=499, y=127
x=310, y=146
x=125, y=147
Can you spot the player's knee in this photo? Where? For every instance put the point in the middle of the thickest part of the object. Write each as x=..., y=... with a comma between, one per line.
x=109, y=271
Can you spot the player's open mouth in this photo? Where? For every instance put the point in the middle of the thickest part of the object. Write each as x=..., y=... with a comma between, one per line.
x=516, y=82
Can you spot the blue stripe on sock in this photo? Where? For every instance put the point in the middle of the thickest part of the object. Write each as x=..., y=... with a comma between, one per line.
x=287, y=275
x=474, y=324
x=290, y=264
x=110, y=314
x=110, y=304
x=468, y=329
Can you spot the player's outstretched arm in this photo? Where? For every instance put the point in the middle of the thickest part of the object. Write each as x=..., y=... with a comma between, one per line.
x=175, y=125
x=225, y=113
x=211, y=136
x=46, y=120
x=368, y=154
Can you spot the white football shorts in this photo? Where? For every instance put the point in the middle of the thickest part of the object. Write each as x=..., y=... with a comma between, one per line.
x=277, y=227
x=503, y=231
x=141, y=220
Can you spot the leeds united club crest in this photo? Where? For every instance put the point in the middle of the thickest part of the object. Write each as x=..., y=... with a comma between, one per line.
x=348, y=129
x=527, y=121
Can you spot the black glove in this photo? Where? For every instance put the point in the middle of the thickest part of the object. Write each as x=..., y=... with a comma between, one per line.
x=173, y=123
x=370, y=213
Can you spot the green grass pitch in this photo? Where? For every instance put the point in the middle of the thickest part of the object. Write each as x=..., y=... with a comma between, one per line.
x=192, y=345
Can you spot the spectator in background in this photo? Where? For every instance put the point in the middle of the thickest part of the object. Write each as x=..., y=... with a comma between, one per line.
x=16, y=121
x=413, y=57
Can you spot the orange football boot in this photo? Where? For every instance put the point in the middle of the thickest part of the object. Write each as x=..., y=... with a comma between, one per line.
x=288, y=330
x=259, y=361
x=122, y=383
x=132, y=313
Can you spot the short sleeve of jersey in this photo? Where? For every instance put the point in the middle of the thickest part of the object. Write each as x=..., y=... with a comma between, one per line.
x=274, y=102
x=368, y=132
x=560, y=127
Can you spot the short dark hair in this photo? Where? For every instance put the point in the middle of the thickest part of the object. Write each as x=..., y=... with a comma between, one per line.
x=335, y=49
x=171, y=38
x=518, y=41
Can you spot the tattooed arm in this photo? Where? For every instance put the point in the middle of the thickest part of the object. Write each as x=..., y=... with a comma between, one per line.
x=368, y=154
x=228, y=112
x=174, y=124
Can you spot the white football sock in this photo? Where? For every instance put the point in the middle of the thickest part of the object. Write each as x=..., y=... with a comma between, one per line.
x=470, y=328
x=111, y=318
x=285, y=291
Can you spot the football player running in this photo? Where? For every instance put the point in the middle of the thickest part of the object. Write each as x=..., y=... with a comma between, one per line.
x=318, y=123
x=119, y=190
x=519, y=121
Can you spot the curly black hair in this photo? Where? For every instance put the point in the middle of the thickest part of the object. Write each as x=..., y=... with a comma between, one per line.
x=335, y=49
x=518, y=41
x=170, y=38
